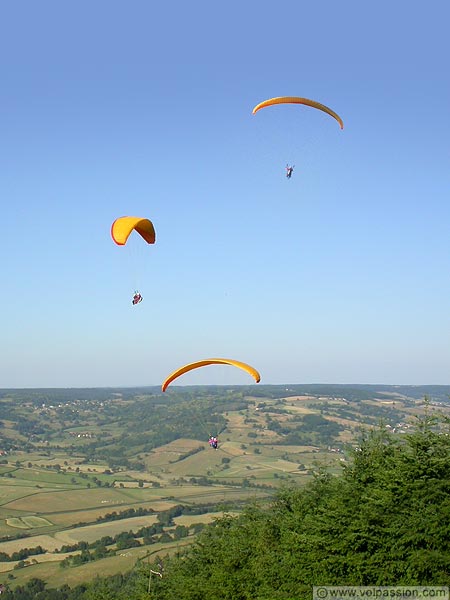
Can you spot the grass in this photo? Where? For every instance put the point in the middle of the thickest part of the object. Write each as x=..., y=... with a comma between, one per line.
x=67, y=519
x=17, y=522
x=47, y=542
x=45, y=476
x=124, y=561
x=35, y=522
x=90, y=533
x=6, y=469
x=189, y=520
x=36, y=497
x=9, y=494
x=69, y=500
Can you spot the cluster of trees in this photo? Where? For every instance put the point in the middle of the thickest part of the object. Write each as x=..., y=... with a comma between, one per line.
x=305, y=430
x=117, y=516
x=383, y=522
x=21, y=554
x=125, y=514
x=371, y=413
x=123, y=541
x=189, y=453
x=15, y=536
x=149, y=534
x=86, y=556
x=246, y=483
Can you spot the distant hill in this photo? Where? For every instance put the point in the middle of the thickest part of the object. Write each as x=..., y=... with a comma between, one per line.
x=352, y=391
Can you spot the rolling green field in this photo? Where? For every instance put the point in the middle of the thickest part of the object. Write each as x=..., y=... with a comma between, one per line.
x=56, y=576
x=28, y=522
x=83, y=460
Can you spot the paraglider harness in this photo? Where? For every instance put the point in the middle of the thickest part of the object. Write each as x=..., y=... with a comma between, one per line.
x=289, y=171
x=137, y=298
x=213, y=442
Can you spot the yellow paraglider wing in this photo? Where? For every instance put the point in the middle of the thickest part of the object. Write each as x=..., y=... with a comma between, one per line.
x=295, y=100
x=211, y=361
x=122, y=227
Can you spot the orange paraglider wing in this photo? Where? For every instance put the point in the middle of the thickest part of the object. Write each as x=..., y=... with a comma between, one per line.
x=296, y=100
x=211, y=361
x=122, y=228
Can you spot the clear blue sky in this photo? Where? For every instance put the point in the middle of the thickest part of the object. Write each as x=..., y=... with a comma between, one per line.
x=341, y=274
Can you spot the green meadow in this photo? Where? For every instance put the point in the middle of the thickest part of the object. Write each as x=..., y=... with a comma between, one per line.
x=102, y=470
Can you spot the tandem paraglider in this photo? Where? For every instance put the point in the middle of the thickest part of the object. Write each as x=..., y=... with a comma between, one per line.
x=121, y=230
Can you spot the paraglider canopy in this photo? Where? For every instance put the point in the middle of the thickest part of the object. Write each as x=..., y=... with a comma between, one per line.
x=122, y=228
x=211, y=361
x=297, y=100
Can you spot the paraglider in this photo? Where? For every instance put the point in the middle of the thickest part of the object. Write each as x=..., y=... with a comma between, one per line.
x=121, y=230
x=137, y=298
x=211, y=361
x=297, y=100
x=213, y=442
x=289, y=171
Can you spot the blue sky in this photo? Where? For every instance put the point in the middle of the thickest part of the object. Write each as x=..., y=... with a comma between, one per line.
x=340, y=274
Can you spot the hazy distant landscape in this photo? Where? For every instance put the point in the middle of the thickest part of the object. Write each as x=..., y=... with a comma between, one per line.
x=93, y=480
